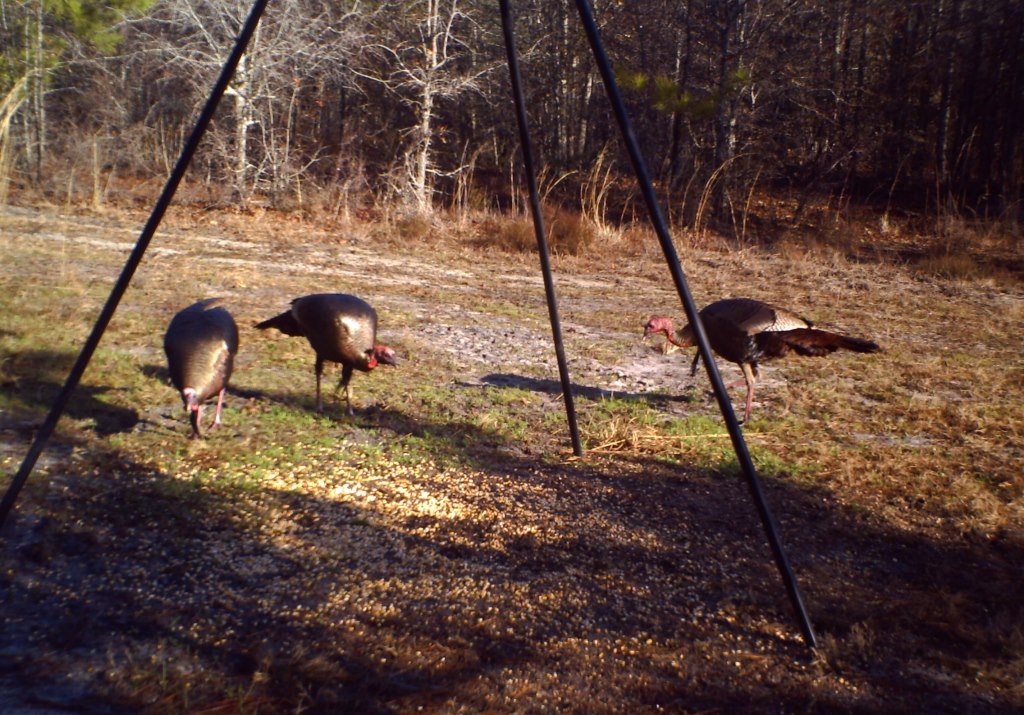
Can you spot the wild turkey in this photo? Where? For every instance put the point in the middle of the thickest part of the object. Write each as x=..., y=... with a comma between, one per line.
x=341, y=328
x=201, y=344
x=747, y=331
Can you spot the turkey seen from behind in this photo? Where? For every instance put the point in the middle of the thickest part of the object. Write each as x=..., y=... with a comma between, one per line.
x=201, y=343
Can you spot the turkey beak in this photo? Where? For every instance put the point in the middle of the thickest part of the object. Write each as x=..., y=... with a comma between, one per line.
x=387, y=357
x=192, y=406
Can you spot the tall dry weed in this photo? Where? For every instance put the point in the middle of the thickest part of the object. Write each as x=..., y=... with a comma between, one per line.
x=595, y=189
x=965, y=250
x=567, y=232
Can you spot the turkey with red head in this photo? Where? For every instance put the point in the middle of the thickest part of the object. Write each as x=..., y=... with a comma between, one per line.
x=340, y=328
x=201, y=343
x=747, y=332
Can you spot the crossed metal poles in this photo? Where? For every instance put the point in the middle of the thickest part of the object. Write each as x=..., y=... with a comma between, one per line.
x=657, y=219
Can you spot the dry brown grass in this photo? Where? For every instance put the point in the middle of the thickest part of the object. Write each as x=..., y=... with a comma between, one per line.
x=568, y=233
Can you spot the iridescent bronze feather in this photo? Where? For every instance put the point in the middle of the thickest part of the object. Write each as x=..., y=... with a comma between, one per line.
x=340, y=328
x=201, y=343
x=747, y=331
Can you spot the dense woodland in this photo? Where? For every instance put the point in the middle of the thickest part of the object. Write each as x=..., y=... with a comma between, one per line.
x=407, y=102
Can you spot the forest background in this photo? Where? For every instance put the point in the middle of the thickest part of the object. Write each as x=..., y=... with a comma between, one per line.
x=339, y=107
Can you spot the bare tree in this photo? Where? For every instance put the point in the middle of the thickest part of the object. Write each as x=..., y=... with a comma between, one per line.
x=434, y=66
x=299, y=45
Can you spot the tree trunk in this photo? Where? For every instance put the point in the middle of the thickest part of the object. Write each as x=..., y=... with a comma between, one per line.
x=421, y=173
x=945, y=109
x=38, y=122
x=240, y=87
x=725, y=112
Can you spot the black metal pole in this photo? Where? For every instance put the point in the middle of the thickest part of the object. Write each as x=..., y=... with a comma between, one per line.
x=118, y=291
x=690, y=307
x=538, y=223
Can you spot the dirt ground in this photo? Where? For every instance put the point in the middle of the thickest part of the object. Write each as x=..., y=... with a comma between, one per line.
x=488, y=574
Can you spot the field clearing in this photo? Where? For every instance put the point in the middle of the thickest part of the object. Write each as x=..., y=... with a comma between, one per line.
x=443, y=551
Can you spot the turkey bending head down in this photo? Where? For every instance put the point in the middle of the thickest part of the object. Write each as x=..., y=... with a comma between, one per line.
x=201, y=343
x=746, y=331
x=340, y=328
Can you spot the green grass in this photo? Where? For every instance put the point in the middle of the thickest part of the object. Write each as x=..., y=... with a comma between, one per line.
x=695, y=426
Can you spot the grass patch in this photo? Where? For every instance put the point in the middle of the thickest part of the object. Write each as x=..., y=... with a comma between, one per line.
x=442, y=550
x=636, y=427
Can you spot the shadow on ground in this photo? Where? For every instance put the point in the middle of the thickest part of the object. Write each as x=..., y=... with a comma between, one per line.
x=37, y=377
x=554, y=387
x=158, y=592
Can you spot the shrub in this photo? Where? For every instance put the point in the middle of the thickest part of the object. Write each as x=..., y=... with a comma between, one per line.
x=568, y=233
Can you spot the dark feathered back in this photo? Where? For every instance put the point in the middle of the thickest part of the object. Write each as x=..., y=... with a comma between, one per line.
x=340, y=327
x=201, y=343
x=747, y=331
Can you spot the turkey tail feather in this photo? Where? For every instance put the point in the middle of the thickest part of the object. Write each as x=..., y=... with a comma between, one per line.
x=285, y=322
x=809, y=341
x=858, y=345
